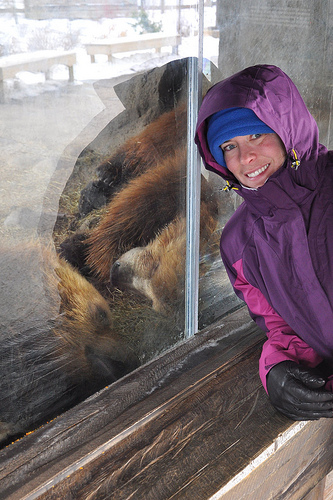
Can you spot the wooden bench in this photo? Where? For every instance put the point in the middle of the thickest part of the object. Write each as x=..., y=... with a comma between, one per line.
x=40, y=61
x=131, y=44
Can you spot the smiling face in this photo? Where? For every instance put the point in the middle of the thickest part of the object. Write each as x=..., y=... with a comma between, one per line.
x=254, y=158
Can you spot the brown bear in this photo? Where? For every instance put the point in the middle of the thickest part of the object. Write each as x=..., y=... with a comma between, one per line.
x=66, y=346
x=150, y=204
x=157, y=270
x=160, y=146
x=141, y=210
x=136, y=198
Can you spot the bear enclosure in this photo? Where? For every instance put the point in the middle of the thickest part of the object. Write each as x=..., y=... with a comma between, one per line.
x=129, y=368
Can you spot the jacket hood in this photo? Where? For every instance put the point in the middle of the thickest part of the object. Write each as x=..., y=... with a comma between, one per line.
x=274, y=98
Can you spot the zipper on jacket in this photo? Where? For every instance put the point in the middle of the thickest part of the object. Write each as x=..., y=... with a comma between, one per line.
x=295, y=163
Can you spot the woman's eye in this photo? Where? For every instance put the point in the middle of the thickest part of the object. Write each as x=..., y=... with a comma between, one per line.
x=228, y=147
x=255, y=136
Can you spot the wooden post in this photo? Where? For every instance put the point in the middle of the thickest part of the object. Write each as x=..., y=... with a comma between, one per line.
x=71, y=73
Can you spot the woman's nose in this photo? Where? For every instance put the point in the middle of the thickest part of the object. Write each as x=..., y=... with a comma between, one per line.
x=247, y=154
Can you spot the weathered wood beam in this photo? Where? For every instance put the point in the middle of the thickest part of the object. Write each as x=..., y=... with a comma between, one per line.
x=194, y=423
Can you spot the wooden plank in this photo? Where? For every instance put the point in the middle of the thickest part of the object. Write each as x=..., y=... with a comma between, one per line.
x=195, y=423
x=317, y=493
x=69, y=437
x=189, y=448
x=328, y=493
x=200, y=440
x=293, y=470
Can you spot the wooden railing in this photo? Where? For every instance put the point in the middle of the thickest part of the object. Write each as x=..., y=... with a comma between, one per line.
x=194, y=423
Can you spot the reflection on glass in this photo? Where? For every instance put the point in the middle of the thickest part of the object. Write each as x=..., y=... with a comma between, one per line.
x=93, y=114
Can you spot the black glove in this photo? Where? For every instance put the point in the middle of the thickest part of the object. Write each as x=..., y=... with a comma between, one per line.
x=298, y=392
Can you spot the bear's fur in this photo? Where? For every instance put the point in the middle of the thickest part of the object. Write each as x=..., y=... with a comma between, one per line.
x=157, y=271
x=67, y=349
x=150, y=172
x=137, y=155
x=135, y=215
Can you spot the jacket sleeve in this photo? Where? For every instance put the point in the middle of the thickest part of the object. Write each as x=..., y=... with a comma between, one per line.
x=282, y=342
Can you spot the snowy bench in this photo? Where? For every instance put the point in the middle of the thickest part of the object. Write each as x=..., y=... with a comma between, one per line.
x=40, y=61
x=131, y=44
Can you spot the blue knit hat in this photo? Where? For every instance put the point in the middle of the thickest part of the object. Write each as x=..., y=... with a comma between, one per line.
x=229, y=123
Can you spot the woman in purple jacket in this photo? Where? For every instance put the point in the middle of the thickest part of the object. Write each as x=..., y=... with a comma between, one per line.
x=255, y=131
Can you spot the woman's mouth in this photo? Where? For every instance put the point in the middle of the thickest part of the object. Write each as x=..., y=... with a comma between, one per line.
x=259, y=171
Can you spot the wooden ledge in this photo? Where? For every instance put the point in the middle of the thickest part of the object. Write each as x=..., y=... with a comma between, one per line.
x=194, y=423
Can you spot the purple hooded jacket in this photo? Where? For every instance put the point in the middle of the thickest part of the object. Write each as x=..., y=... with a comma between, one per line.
x=278, y=246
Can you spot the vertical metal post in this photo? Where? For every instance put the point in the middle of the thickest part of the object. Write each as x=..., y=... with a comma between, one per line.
x=193, y=186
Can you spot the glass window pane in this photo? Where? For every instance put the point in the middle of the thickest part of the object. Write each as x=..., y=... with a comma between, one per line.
x=93, y=240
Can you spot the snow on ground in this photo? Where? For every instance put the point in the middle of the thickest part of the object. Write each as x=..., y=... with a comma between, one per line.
x=27, y=35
